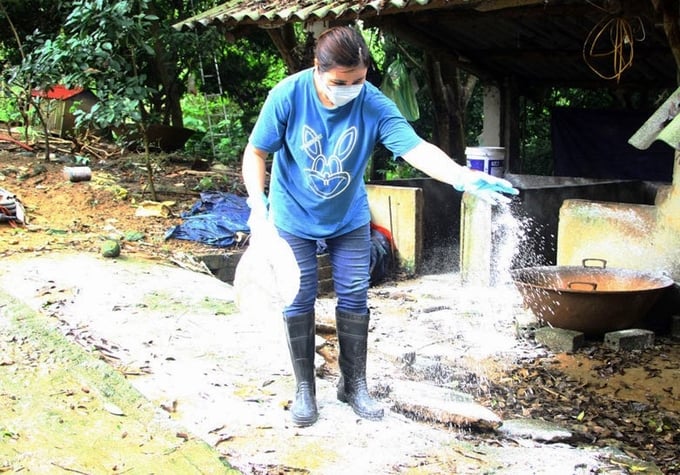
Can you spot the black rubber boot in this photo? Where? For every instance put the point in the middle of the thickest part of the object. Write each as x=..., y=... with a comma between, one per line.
x=300, y=330
x=352, y=388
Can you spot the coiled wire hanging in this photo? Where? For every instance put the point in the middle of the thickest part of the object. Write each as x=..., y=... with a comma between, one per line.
x=613, y=37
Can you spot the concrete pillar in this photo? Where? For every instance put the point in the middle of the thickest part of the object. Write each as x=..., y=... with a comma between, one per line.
x=668, y=230
x=475, y=241
x=491, y=131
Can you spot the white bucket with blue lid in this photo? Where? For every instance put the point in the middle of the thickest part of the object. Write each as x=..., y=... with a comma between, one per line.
x=490, y=160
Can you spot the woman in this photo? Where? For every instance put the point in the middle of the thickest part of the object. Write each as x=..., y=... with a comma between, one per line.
x=322, y=125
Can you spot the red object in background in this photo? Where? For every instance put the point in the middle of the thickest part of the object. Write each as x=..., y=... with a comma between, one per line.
x=58, y=92
x=383, y=231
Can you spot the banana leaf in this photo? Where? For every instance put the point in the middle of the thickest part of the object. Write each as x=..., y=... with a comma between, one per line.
x=401, y=87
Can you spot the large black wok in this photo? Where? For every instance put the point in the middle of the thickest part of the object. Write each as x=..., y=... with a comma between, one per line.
x=591, y=299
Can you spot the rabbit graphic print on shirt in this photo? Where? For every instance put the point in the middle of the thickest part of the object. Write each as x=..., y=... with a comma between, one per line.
x=326, y=173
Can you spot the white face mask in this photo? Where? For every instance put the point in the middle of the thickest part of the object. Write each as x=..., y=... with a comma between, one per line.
x=341, y=95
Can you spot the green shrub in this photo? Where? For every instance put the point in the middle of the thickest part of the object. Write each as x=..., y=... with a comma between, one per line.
x=219, y=123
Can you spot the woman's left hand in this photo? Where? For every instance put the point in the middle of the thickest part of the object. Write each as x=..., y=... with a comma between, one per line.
x=488, y=188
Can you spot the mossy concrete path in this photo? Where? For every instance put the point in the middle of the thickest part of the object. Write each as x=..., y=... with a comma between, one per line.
x=64, y=410
x=139, y=366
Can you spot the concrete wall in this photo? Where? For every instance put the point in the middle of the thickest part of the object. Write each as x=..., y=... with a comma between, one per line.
x=635, y=236
x=440, y=219
x=541, y=198
x=398, y=210
x=539, y=202
x=536, y=213
x=622, y=234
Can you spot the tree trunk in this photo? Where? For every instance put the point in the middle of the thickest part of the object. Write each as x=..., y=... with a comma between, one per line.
x=449, y=101
x=296, y=56
x=163, y=69
x=440, y=104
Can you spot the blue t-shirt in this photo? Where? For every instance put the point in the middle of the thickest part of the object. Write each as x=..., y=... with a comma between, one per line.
x=316, y=187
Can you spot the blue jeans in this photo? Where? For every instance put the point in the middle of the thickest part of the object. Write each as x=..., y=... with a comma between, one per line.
x=350, y=256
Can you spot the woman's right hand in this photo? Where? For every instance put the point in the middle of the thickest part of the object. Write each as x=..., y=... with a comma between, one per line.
x=258, y=221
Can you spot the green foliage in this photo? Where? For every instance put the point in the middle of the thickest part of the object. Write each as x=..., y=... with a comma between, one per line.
x=217, y=183
x=102, y=46
x=128, y=54
x=385, y=51
x=233, y=83
x=94, y=44
x=536, y=148
x=244, y=70
x=399, y=169
x=106, y=49
x=206, y=184
x=118, y=49
x=219, y=121
x=28, y=17
x=400, y=85
x=9, y=106
x=376, y=44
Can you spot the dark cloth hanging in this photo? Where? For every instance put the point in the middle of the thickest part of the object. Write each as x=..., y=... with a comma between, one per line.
x=594, y=144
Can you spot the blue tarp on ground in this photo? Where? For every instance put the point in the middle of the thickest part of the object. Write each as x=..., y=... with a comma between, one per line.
x=214, y=220
x=218, y=216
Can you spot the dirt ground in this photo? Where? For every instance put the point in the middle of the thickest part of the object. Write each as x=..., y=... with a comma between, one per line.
x=175, y=335
x=80, y=215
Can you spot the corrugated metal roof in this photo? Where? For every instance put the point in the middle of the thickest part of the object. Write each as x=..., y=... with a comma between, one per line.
x=534, y=42
x=274, y=13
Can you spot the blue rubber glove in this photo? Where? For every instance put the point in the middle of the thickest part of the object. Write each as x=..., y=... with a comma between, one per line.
x=258, y=221
x=486, y=187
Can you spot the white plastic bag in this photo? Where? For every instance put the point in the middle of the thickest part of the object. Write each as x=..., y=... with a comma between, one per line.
x=267, y=276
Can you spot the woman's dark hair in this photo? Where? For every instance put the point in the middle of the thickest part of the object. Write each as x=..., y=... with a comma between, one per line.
x=341, y=46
